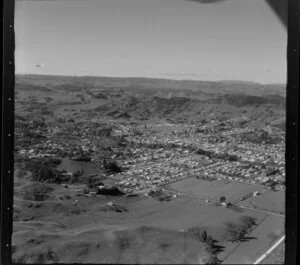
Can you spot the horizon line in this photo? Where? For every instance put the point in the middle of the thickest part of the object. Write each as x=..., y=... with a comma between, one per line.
x=144, y=77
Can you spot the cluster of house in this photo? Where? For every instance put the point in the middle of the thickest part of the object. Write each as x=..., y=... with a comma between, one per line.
x=55, y=141
x=168, y=155
x=160, y=166
x=247, y=173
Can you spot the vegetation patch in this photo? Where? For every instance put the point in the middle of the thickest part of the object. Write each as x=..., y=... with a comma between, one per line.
x=238, y=231
x=37, y=192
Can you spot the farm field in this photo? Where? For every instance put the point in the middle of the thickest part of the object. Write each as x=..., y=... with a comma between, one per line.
x=147, y=211
x=59, y=220
x=270, y=201
x=143, y=212
x=233, y=191
x=265, y=234
x=194, y=212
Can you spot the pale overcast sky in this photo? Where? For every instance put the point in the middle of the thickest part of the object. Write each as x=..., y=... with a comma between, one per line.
x=232, y=40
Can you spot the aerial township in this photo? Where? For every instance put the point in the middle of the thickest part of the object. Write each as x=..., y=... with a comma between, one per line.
x=153, y=159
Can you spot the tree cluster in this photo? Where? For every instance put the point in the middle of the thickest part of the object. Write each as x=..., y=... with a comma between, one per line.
x=111, y=166
x=43, y=170
x=39, y=192
x=211, y=154
x=238, y=231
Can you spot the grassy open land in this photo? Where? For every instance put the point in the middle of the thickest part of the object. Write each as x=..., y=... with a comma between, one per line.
x=73, y=166
x=52, y=229
x=233, y=191
x=104, y=237
x=269, y=228
x=54, y=220
x=266, y=233
x=44, y=225
x=270, y=201
x=277, y=256
x=193, y=212
x=142, y=245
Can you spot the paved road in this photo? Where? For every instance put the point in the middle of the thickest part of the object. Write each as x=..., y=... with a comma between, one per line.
x=262, y=211
x=269, y=251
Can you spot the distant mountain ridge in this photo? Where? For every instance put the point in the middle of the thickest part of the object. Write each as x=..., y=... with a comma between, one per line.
x=150, y=98
x=155, y=83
